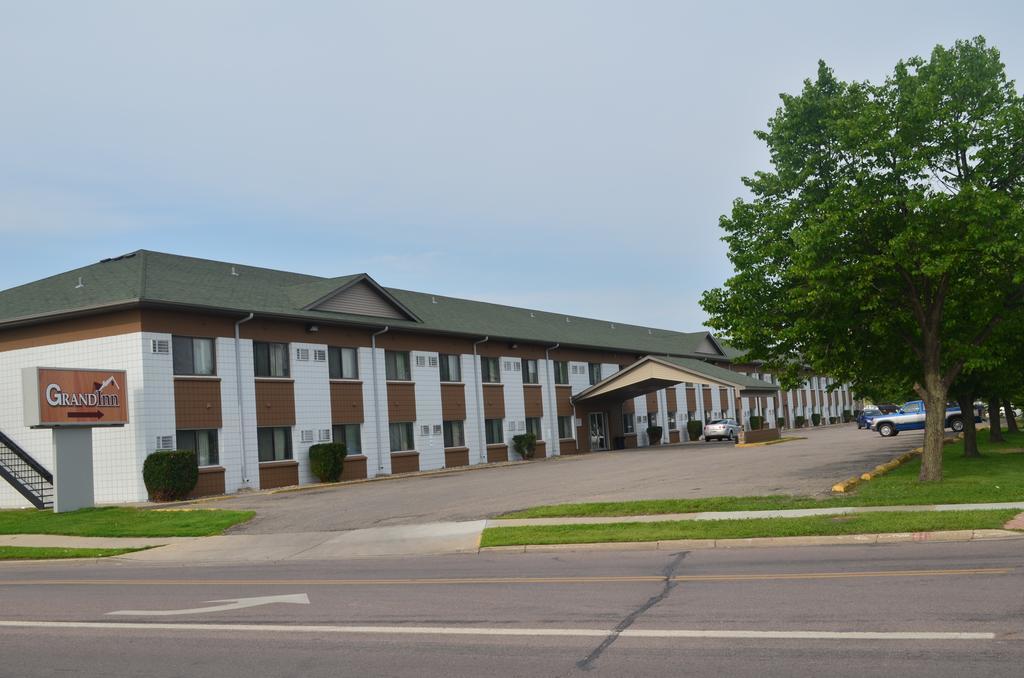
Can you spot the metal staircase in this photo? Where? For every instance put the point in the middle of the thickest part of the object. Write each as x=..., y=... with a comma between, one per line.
x=25, y=474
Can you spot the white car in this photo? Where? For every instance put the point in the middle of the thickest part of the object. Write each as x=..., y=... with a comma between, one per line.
x=721, y=429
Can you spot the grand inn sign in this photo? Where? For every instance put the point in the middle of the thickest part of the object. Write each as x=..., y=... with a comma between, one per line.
x=57, y=397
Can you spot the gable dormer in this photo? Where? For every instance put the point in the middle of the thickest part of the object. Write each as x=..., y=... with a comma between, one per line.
x=709, y=346
x=362, y=296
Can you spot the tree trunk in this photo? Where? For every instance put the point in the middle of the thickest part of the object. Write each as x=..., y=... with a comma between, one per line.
x=995, y=431
x=966, y=401
x=1011, y=421
x=934, y=395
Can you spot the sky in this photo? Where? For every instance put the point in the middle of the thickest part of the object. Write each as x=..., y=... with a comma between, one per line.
x=560, y=155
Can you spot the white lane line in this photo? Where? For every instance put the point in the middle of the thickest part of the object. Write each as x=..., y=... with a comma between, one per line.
x=484, y=631
x=229, y=604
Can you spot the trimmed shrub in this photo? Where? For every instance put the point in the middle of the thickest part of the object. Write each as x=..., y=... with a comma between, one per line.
x=327, y=460
x=525, y=444
x=654, y=434
x=756, y=422
x=694, y=429
x=816, y=419
x=800, y=420
x=170, y=475
x=780, y=423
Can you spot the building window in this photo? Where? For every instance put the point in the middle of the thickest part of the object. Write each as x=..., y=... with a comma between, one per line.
x=396, y=366
x=350, y=435
x=193, y=356
x=533, y=426
x=490, y=371
x=627, y=424
x=274, y=443
x=454, y=434
x=672, y=421
x=271, y=359
x=342, y=363
x=594, y=370
x=565, y=427
x=203, y=442
x=495, y=435
x=451, y=368
x=401, y=435
x=561, y=372
x=530, y=374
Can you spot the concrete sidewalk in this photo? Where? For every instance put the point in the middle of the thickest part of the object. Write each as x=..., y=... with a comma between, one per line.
x=747, y=515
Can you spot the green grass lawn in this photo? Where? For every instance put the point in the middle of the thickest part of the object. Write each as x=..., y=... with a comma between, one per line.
x=996, y=477
x=48, y=553
x=121, y=522
x=867, y=523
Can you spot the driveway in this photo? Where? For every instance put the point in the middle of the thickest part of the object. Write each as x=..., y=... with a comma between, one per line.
x=804, y=467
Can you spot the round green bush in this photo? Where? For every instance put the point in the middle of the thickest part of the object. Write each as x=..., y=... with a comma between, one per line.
x=525, y=444
x=694, y=429
x=170, y=474
x=756, y=422
x=326, y=461
x=654, y=434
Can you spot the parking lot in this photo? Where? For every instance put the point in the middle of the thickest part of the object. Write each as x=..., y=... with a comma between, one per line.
x=807, y=466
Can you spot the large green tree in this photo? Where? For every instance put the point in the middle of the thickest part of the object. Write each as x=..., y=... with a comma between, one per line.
x=885, y=243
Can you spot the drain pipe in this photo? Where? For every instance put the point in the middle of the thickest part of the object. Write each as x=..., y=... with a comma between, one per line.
x=554, y=404
x=238, y=387
x=376, y=399
x=480, y=397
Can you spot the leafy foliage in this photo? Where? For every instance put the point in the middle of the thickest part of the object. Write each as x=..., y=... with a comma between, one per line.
x=525, y=445
x=694, y=429
x=327, y=460
x=170, y=475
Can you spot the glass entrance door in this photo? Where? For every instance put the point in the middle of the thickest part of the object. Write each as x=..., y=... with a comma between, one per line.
x=598, y=431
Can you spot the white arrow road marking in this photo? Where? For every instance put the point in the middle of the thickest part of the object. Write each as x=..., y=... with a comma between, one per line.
x=229, y=604
x=502, y=631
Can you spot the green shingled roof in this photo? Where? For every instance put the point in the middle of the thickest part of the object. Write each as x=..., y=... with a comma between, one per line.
x=722, y=374
x=155, y=278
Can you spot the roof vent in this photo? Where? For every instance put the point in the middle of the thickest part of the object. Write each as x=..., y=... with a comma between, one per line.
x=613, y=326
x=233, y=271
x=433, y=300
x=650, y=332
x=567, y=319
x=532, y=315
x=80, y=284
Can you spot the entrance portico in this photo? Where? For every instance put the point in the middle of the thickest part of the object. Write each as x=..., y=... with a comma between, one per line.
x=600, y=411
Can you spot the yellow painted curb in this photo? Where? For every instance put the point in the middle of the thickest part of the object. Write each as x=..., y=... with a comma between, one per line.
x=784, y=439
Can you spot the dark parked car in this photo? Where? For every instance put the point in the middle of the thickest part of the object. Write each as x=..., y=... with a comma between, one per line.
x=865, y=417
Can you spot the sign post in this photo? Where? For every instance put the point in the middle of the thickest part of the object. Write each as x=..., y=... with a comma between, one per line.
x=72, y=402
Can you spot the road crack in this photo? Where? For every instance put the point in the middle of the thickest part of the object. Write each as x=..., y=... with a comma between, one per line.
x=669, y=582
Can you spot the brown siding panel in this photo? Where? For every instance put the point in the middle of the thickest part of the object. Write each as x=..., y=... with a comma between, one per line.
x=74, y=329
x=275, y=403
x=405, y=462
x=670, y=399
x=456, y=456
x=197, y=403
x=279, y=474
x=497, y=453
x=568, y=447
x=629, y=406
x=652, y=401
x=211, y=482
x=563, y=398
x=494, y=401
x=402, y=402
x=354, y=468
x=707, y=399
x=453, y=402
x=533, y=398
x=346, y=402
x=673, y=436
x=541, y=450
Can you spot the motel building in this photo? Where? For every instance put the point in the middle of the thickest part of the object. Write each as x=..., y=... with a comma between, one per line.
x=250, y=367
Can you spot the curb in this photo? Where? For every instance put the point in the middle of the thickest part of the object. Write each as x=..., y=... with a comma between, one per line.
x=784, y=439
x=765, y=542
x=882, y=469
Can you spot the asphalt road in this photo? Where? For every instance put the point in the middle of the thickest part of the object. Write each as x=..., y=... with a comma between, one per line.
x=808, y=466
x=537, y=615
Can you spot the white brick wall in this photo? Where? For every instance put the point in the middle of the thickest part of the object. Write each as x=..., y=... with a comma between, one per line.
x=474, y=427
x=548, y=424
x=312, y=403
x=378, y=458
x=640, y=420
x=427, y=381
x=515, y=405
x=230, y=436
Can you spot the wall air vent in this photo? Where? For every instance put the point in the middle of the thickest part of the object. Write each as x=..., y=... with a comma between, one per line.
x=319, y=355
x=165, y=442
x=302, y=354
x=425, y=430
x=161, y=346
x=432, y=361
x=306, y=436
x=437, y=429
x=325, y=435
x=421, y=361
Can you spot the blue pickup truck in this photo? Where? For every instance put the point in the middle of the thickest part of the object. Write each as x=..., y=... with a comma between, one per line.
x=911, y=417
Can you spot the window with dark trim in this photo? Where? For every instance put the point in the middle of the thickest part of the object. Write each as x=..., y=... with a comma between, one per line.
x=454, y=433
x=627, y=424
x=594, y=371
x=193, y=356
x=490, y=371
x=201, y=441
x=533, y=426
x=274, y=443
x=672, y=421
x=495, y=433
x=343, y=363
x=270, y=359
x=451, y=367
x=565, y=429
x=350, y=435
x=530, y=374
x=401, y=436
x=561, y=371
x=396, y=366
